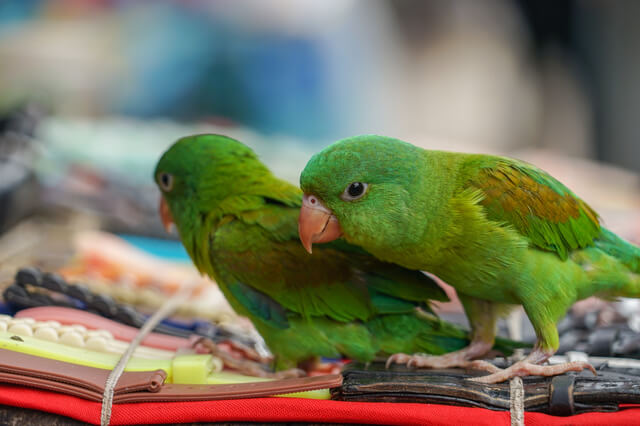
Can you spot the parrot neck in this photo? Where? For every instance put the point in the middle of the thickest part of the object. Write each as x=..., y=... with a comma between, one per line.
x=193, y=228
x=198, y=223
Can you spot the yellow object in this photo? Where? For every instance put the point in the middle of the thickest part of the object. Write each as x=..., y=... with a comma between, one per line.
x=192, y=369
x=182, y=369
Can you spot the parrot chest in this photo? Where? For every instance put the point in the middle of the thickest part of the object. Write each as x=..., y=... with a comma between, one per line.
x=489, y=262
x=525, y=275
x=487, y=279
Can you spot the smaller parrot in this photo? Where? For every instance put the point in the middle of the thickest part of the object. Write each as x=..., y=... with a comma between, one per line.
x=239, y=224
x=501, y=231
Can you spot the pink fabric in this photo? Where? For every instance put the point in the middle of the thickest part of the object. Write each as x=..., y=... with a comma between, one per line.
x=71, y=316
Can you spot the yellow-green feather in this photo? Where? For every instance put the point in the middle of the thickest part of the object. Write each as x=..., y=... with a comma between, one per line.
x=536, y=204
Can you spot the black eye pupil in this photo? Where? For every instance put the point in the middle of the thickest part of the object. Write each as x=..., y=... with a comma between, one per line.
x=356, y=189
x=165, y=180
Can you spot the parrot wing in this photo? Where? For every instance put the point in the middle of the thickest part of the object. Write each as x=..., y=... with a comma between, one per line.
x=536, y=205
x=260, y=259
x=259, y=304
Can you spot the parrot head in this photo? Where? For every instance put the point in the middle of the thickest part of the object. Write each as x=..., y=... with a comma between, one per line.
x=358, y=188
x=197, y=173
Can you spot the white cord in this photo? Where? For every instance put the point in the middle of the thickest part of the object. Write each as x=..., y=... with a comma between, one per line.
x=516, y=401
x=166, y=309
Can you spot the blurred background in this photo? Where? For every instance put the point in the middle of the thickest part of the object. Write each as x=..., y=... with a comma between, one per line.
x=93, y=92
x=495, y=74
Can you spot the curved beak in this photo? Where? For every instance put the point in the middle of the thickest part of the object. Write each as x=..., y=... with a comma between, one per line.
x=165, y=215
x=316, y=223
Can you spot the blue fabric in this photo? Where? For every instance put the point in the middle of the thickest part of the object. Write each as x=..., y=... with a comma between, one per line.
x=164, y=249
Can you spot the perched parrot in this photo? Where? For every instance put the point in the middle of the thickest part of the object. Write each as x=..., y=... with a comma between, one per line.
x=239, y=224
x=500, y=231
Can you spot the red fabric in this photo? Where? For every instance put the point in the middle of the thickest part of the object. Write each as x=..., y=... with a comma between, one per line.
x=271, y=410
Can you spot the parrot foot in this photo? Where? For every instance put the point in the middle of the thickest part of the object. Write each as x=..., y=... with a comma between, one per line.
x=461, y=358
x=454, y=359
x=526, y=368
x=483, y=365
x=248, y=351
x=256, y=369
x=229, y=347
x=245, y=366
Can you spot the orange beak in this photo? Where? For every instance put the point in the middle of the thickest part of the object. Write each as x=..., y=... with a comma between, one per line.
x=165, y=215
x=316, y=223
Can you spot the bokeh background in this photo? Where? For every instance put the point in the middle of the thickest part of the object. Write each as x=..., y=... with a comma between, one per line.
x=93, y=92
x=101, y=88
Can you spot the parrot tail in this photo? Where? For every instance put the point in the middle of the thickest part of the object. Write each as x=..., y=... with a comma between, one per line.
x=628, y=255
x=411, y=333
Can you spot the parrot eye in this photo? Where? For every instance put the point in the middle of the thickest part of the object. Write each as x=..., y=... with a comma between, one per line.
x=166, y=181
x=354, y=191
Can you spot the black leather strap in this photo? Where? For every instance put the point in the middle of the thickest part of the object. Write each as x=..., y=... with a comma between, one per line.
x=561, y=395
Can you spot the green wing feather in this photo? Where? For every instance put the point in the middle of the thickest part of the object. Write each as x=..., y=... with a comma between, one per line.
x=261, y=249
x=537, y=205
x=259, y=305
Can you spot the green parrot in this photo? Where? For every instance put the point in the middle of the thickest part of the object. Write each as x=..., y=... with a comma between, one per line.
x=239, y=224
x=500, y=231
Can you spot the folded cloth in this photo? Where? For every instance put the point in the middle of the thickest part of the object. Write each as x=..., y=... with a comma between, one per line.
x=91, y=321
x=272, y=410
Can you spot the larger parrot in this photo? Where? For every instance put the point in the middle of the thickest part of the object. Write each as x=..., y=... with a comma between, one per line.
x=239, y=224
x=500, y=231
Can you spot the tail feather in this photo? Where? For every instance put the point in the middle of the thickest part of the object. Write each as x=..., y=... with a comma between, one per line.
x=410, y=333
x=627, y=253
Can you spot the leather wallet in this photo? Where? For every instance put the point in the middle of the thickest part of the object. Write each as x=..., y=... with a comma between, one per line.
x=560, y=395
x=138, y=386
